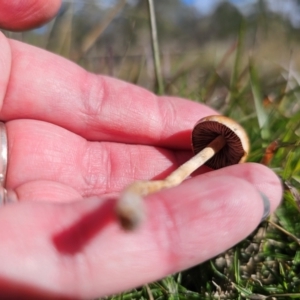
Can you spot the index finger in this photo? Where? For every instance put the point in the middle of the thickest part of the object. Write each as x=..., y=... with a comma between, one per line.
x=46, y=87
x=73, y=251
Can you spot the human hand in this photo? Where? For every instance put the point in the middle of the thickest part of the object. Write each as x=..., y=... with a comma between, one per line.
x=75, y=140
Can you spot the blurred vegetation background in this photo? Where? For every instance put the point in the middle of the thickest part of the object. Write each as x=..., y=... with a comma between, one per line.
x=113, y=37
x=242, y=58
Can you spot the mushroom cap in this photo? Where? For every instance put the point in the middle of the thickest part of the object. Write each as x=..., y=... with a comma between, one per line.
x=237, y=145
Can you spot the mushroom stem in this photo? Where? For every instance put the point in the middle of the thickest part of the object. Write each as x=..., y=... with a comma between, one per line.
x=129, y=207
x=195, y=162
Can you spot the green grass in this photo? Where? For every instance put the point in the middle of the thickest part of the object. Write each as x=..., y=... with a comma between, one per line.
x=249, y=82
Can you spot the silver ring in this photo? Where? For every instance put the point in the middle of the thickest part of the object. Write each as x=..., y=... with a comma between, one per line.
x=3, y=196
x=3, y=154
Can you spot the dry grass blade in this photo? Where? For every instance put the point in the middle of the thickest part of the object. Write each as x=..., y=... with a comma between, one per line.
x=155, y=47
x=60, y=35
x=91, y=38
x=285, y=231
x=149, y=292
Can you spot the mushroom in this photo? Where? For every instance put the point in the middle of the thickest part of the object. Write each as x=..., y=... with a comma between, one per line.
x=217, y=142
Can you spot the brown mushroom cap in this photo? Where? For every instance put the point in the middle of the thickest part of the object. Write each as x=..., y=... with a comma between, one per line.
x=236, y=148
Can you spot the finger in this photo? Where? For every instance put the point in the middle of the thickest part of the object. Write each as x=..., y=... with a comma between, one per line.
x=79, y=244
x=24, y=15
x=43, y=151
x=46, y=191
x=261, y=177
x=95, y=107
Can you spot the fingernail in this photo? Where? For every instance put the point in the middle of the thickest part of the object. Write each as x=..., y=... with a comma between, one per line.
x=267, y=206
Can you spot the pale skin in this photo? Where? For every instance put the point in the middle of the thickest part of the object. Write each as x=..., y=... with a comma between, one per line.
x=77, y=142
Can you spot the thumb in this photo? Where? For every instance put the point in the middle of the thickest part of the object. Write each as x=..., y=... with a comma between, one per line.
x=23, y=15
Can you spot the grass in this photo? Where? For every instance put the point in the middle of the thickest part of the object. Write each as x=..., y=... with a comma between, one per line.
x=249, y=82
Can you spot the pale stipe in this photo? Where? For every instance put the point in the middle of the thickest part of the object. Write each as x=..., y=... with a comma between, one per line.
x=3, y=154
